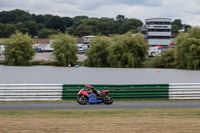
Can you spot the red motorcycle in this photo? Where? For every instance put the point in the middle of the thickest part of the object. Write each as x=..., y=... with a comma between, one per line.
x=93, y=96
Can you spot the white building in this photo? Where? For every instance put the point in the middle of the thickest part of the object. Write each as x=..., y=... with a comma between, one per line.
x=157, y=31
x=43, y=45
x=88, y=39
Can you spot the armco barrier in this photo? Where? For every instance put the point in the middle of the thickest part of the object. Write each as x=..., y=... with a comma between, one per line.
x=121, y=92
x=30, y=92
x=52, y=92
x=184, y=91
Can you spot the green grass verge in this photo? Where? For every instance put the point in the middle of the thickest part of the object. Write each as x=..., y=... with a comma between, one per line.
x=2, y=62
x=191, y=113
x=148, y=63
x=51, y=63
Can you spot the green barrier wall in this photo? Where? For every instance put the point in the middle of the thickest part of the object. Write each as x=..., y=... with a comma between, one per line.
x=121, y=92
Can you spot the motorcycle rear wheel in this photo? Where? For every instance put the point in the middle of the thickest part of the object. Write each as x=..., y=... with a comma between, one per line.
x=82, y=100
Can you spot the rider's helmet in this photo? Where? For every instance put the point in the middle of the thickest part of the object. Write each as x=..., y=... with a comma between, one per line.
x=87, y=86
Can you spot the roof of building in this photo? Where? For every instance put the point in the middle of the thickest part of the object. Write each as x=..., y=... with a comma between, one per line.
x=41, y=41
x=158, y=19
x=79, y=40
x=90, y=36
x=35, y=41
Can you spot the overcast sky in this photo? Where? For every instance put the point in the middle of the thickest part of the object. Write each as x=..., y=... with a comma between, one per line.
x=187, y=10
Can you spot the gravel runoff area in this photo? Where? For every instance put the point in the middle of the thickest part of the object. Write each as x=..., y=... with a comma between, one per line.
x=47, y=56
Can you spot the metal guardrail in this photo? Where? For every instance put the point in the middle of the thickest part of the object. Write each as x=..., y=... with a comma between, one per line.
x=122, y=92
x=30, y=92
x=54, y=92
x=184, y=91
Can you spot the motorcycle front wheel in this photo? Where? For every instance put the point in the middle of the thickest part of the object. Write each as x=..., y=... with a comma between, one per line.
x=82, y=100
x=107, y=99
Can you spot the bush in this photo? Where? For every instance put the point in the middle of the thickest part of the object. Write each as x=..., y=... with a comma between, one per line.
x=166, y=60
x=18, y=49
x=51, y=63
x=188, y=50
x=65, y=49
x=98, y=54
x=127, y=51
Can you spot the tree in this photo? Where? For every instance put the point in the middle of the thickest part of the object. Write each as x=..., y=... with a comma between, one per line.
x=120, y=18
x=80, y=18
x=6, y=30
x=56, y=23
x=39, y=18
x=178, y=22
x=31, y=23
x=65, y=49
x=44, y=33
x=82, y=30
x=166, y=60
x=68, y=21
x=32, y=27
x=15, y=16
x=18, y=49
x=188, y=50
x=92, y=23
x=70, y=30
x=107, y=26
x=128, y=51
x=98, y=54
x=176, y=26
x=175, y=30
x=130, y=25
x=21, y=27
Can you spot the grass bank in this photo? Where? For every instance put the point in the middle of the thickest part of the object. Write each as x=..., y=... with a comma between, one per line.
x=98, y=121
x=45, y=63
x=2, y=62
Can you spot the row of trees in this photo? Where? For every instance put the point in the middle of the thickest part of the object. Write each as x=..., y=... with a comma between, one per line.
x=19, y=50
x=177, y=25
x=186, y=55
x=45, y=25
x=119, y=51
x=42, y=26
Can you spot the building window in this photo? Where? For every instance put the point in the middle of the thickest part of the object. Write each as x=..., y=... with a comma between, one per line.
x=158, y=37
x=159, y=30
x=158, y=23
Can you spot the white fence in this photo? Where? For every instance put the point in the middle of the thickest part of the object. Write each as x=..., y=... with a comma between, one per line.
x=30, y=92
x=53, y=92
x=184, y=91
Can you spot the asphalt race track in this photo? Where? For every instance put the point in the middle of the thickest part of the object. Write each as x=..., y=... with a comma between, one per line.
x=117, y=105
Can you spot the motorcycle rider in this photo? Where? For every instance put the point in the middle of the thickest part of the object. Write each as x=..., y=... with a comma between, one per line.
x=94, y=90
x=90, y=88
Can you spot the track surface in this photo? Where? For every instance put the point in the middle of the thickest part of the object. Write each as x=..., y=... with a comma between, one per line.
x=120, y=105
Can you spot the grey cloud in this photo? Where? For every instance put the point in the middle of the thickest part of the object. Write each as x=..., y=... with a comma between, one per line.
x=140, y=2
x=4, y=3
x=93, y=4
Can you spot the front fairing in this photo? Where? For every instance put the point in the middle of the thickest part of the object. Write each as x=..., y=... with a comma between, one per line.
x=83, y=92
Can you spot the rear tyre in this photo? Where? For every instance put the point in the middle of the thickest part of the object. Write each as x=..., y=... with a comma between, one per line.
x=82, y=100
x=107, y=100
